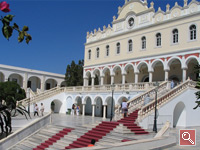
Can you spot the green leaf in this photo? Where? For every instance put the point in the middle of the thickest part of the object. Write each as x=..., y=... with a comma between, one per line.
x=5, y=22
x=28, y=38
x=21, y=37
x=15, y=26
x=7, y=31
x=9, y=17
x=25, y=28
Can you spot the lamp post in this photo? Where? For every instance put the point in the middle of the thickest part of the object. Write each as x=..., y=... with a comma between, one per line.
x=28, y=96
x=155, y=117
x=112, y=88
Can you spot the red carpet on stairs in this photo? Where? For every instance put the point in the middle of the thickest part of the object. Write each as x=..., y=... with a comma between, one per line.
x=53, y=139
x=95, y=133
x=129, y=122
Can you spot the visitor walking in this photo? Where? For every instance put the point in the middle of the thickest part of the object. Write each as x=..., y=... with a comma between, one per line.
x=124, y=108
x=92, y=143
x=77, y=110
x=42, y=109
x=147, y=99
x=73, y=107
x=172, y=84
x=36, y=109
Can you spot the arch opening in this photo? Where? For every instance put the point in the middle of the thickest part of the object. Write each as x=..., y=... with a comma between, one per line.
x=34, y=83
x=143, y=75
x=192, y=63
x=159, y=73
x=130, y=78
x=175, y=72
x=107, y=78
x=118, y=75
x=97, y=80
x=99, y=107
x=50, y=83
x=179, y=115
x=16, y=78
x=88, y=107
x=56, y=105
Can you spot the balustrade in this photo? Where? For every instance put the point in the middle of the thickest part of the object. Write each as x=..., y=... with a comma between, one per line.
x=145, y=110
x=82, y=89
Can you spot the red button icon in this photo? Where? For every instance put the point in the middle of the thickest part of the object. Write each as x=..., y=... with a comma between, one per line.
x=187, y=137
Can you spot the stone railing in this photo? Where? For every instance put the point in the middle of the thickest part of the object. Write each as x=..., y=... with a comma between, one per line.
x=41, y=96
x=138, y=101
x=32, y=94
x=82, y=89
x=149, y=108
x=106, y=88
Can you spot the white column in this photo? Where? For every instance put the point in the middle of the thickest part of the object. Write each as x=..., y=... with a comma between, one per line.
x=136, y=77
x=184, y=74
x=104, y=112
x=85, y=81
x=166, y=75
x=112, y=79
x=43, y=83
x=93, y=110
x=6, y=79
x=150, y=76
x=25, y=81
x=102, y=80
x=83, y=112
x=123, y=78
x=92, y=81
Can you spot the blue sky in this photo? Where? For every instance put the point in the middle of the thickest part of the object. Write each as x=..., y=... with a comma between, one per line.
x=58, y=29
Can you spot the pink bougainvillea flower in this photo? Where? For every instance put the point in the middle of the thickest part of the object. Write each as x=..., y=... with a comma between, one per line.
x=4, y=7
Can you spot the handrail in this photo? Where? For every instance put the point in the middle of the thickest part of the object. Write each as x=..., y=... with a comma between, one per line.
x=145, y=110
x=163, y=84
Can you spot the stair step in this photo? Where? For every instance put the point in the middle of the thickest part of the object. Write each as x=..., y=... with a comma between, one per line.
x=84, y=140
x=94, y=135
x=141, y=132
x=84, y=144
x=97, y=132
x=76, y=145
x=90, y=137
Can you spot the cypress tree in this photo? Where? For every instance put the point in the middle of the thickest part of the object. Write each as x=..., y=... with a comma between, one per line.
x=74, y=74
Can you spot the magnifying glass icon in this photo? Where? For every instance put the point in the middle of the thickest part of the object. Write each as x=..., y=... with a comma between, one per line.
x=184, y=134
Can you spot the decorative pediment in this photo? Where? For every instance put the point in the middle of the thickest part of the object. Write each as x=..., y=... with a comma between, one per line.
x=134, y=6
x=193, y=6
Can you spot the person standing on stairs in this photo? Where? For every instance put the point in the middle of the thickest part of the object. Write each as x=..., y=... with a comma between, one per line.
x=124, y=108
x=172, y=84
x=147, y=99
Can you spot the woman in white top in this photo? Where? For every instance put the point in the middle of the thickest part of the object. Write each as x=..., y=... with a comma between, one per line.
x=42, y=109
x=124, y=108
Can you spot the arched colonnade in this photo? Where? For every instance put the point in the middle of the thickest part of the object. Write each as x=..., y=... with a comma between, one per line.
x=177, y=68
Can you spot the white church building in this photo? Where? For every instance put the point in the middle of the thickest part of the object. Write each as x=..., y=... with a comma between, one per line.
x=140, y=48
